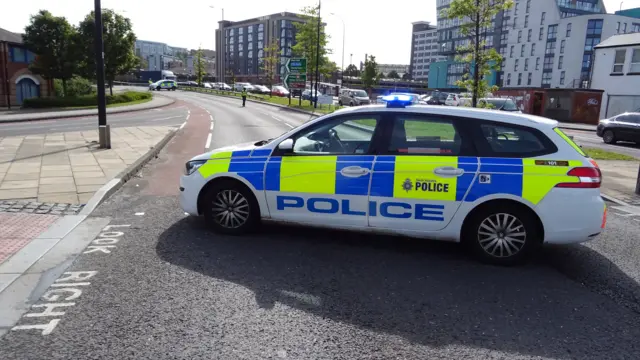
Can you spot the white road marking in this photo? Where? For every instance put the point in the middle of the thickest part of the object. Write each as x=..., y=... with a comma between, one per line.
x=139, y=213
x=206, y=146
x=183, y=124
x=211, y=127
x=276, y=118
x=211, y=117
x=291, y=126
x=188, y=114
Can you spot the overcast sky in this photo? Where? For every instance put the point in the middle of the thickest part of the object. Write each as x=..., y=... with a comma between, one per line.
x=380, y=28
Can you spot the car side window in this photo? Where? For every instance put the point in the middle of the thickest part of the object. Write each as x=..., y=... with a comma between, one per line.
x=345, y=135
x=505, y=140
x=420, y=135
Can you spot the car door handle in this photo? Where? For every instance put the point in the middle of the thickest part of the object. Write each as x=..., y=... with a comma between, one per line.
x=448, y=171
x=354, y=171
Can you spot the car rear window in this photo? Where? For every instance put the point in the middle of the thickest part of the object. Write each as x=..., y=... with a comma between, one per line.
x=506, y=140
x=570, y=142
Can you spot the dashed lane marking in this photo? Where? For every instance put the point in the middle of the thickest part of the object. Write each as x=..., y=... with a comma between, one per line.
x=211, y=126
x=183, y=125
x=208, y=144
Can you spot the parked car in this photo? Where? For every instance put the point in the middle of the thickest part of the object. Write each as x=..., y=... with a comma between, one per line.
x=306, y=95
x=438, y=98
x=623, y=127
x=279, y=90
x=243, y=85
x=452, y=100
x=261, y=89
x=353, y=97
x=164, y=84
x=502, y=104
x=207, y=85
x=223, y=86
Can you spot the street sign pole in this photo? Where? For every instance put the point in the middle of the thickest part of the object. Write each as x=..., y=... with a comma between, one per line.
x=104, y=134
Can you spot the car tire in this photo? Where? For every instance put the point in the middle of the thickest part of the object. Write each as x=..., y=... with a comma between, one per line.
x=486, y=233
x=609, y=137
x=231, y=197
x=339, y=102
x=351, y=103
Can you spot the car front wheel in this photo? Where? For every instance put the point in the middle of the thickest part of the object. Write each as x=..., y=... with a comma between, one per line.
x=609, y=137
x=231, y=208
x=502, y=235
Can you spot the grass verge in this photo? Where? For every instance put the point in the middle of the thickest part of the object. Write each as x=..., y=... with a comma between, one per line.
x=135, y=102
x=599, y=154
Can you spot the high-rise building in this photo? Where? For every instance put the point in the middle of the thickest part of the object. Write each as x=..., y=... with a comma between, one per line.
x=424, y=50
x=158, y=55
x=240, y=45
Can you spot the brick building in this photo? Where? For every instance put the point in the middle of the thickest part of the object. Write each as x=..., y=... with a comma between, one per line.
x=16, y=81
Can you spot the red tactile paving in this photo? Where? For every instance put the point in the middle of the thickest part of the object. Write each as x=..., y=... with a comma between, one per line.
x=18, y=229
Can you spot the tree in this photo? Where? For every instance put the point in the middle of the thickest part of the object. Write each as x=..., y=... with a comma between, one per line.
x=393, y=75
x=271, y=61
x=199, y=66
x=406, y=76
x=328, y=68
x=380, y=75
x=119, y=46
x=142, y=62
x=52, y=39
x=370, y=74
x=351, y=70
x=307, y=40
x=477, y=16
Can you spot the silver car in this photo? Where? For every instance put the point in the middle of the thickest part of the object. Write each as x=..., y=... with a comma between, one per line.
x=353, y=97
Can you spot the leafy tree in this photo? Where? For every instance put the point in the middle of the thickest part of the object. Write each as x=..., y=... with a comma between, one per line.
x=142, y=63
x=381, y=75
x=476, y=16
x=406, y=76
x=199, y=66
x=307, y=40
x=119, y=41
x=271, y=61
x=370, y=76
x=328, y=68
x=393, y=75
x=51, y=38
x=352, y=70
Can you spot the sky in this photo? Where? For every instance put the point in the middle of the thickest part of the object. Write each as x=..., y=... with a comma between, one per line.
x=373, y=28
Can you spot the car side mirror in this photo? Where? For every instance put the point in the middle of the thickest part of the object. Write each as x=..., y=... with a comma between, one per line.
x=286, y=145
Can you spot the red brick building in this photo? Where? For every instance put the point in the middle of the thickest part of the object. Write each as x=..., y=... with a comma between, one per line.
x=16, y=81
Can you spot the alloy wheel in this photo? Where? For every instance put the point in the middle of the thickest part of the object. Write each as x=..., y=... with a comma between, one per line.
x=230, y=209
x=502, y=235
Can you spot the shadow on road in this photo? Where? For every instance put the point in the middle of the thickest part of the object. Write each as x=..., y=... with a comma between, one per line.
x=426, y=292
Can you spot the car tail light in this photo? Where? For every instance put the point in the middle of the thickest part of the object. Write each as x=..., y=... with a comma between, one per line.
x=589, y=178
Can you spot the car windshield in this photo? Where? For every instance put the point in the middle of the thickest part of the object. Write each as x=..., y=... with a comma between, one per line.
x=503, y=104
x=359, y=93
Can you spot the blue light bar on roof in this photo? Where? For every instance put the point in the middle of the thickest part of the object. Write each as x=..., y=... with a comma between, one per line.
x=397, y=101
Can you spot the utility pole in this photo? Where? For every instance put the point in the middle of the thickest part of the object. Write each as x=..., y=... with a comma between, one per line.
x=104, y=133
x=315, y=104
x=476, y=65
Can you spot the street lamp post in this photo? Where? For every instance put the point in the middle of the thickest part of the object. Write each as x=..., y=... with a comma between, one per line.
x=343, y=39
x=315, y=103
x=104, y=133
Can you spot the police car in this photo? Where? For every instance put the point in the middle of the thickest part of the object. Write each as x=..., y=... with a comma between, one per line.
x=502, y=183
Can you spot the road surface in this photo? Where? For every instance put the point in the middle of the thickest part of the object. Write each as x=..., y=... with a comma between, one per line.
x=590, y=139
x=171, y=288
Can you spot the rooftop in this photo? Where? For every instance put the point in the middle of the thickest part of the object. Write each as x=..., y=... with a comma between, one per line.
x=8, y=36
x=620, y=40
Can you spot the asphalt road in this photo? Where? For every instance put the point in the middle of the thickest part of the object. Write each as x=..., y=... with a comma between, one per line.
x=590, y=139
x=172, y=289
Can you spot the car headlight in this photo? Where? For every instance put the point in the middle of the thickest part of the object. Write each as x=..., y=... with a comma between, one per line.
x=193, y=165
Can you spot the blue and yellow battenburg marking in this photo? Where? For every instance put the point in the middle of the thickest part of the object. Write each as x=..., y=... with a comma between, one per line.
x=400, y=177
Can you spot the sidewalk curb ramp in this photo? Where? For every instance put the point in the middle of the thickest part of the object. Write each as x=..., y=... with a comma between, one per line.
x=116, y=183
x=74, y=113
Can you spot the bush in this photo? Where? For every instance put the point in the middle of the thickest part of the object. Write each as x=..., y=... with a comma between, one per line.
x=76, y=86
x=86, y=100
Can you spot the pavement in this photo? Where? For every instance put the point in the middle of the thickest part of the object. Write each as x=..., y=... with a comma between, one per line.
x=139, y=279
x=157, y=101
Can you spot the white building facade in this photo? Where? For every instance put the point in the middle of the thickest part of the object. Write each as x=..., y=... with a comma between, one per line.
x=616, y=70
x=550, y=43
x=424, y=50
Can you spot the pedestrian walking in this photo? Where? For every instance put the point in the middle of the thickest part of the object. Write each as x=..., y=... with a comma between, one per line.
x=244, y=96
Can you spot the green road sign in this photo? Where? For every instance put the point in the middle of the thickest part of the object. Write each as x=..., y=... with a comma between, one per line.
x=296, y=65
x=295, y=80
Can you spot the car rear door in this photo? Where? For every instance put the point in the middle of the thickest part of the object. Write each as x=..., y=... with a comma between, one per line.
x=422, y=174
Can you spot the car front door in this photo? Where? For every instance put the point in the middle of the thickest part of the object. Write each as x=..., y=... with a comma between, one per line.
x=426, y=169
x=324, y=179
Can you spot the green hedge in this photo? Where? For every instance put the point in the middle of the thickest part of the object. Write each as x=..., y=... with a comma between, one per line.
x=87, y=100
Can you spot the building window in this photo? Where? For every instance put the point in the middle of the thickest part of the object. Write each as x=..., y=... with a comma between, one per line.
x=562, y=43
x=552, y=33
x=533, y=49
x=529, y=79
x=529, y=35
x=519, y=36
x=515, y=20
x=526, y=64
x=544, y=14
x=618, y=61
x=515, y=65
x=590, y=43
x=550, y=48
x=508, y=79
x=560, y=61
x=586, y=61
x=522, y=48
x=520, y=79
x=546, y=79
x=618, y=27
x=541, y=34
x=635, y=61
x=537, y=63
x=240, y=31
x=511, y=51
x=569, y=30
x=515, y=10
x=548, y=63
x=526, y=21
x=635, y=28
x=594, y=27
x=528, y=6
x=562, y=78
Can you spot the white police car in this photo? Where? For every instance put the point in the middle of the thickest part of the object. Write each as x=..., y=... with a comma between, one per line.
x=500, y=182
